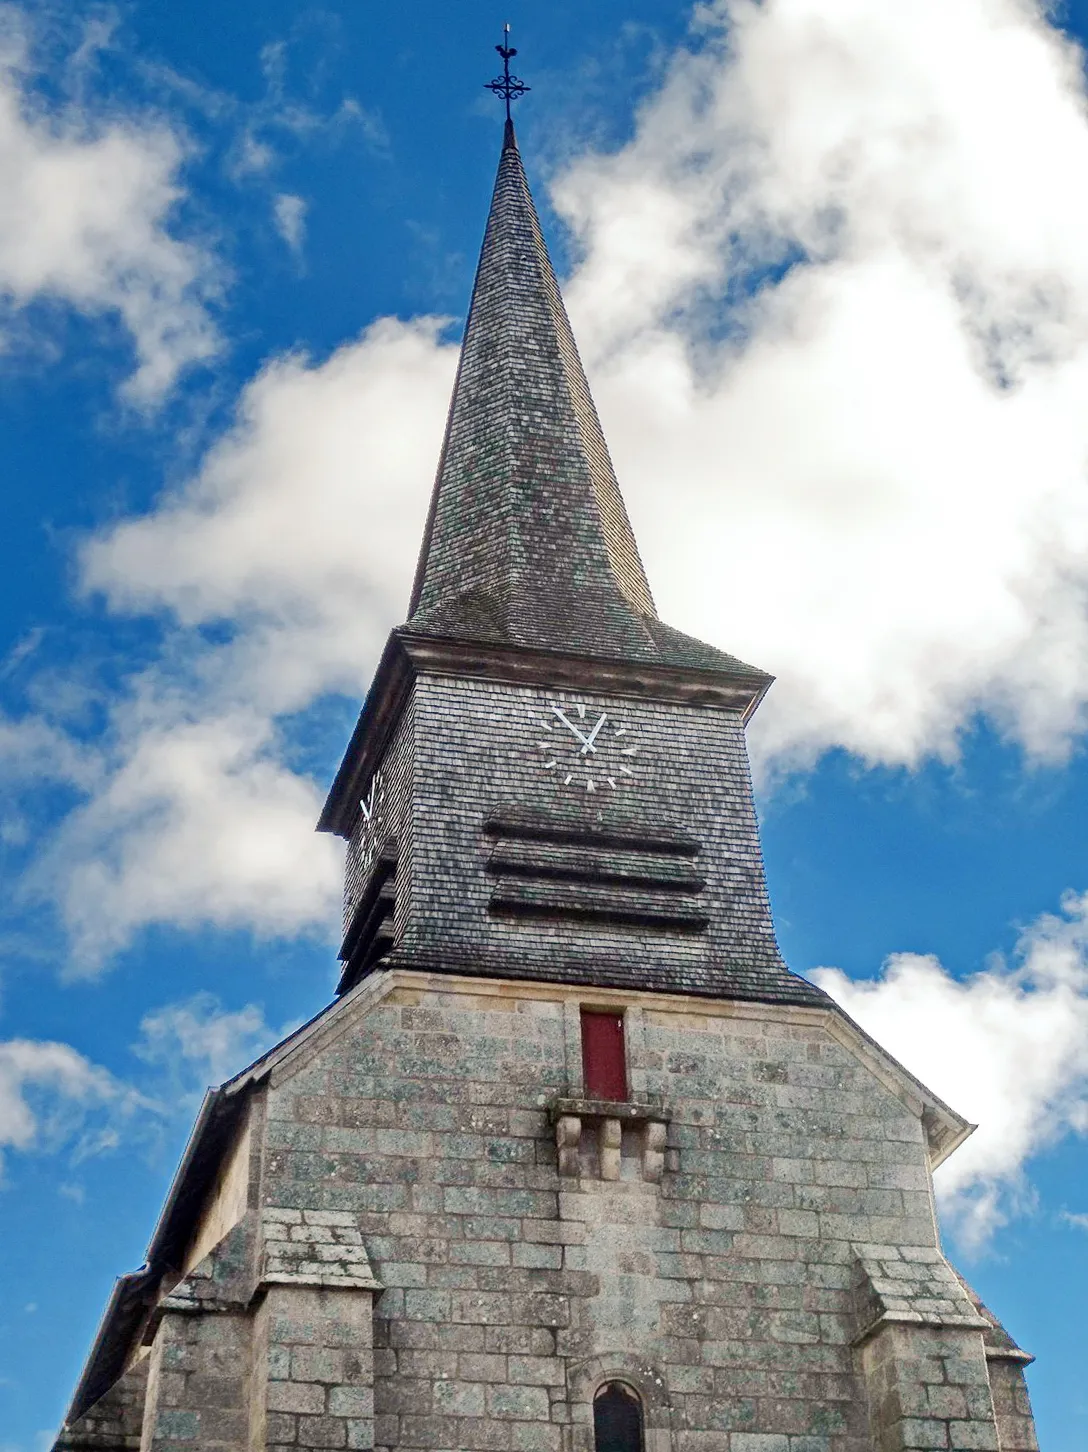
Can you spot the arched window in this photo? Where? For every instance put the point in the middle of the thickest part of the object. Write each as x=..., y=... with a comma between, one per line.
x=617, y=1419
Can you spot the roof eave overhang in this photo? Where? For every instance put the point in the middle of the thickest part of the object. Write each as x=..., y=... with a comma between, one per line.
x=125, y=1312
x=134, y=1294
x=409, y=654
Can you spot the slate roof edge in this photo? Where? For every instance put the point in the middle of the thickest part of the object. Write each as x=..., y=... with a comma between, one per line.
x=121, y=1321
x=219, y=1114
x=125, y=1312
x=409, y=653
x=783, y=988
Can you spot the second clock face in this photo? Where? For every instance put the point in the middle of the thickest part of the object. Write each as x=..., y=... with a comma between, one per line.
x=371, y=813
x=586, y=748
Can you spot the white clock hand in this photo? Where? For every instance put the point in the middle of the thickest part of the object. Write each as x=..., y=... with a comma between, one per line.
x=572, y=728
x=591, y=738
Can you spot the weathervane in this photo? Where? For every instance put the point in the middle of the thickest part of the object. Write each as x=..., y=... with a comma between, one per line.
x=506, y=85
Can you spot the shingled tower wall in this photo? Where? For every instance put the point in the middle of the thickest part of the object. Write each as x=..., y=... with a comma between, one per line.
x=420, y=1222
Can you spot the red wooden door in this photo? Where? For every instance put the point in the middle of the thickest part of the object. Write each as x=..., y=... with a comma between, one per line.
x=604, y=1063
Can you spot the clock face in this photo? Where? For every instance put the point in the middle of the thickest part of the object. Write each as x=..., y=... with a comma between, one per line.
x=371, y=812
x=586, y=748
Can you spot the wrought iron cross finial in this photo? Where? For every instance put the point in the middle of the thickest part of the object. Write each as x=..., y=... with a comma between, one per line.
x=507, y=86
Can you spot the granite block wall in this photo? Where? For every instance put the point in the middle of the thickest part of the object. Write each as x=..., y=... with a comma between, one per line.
x=418, y=1271
x=930, y=1390
x=730, y=1285
x=197, y=1383
x=1012, y=1406
x=313, y=1370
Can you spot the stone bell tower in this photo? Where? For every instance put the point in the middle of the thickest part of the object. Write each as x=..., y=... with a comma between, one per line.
x=573, y=1162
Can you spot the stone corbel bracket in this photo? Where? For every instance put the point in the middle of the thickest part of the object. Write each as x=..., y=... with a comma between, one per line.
x=571, y=1116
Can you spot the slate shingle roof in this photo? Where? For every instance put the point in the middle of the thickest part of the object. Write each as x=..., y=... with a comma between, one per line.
x=528, y=541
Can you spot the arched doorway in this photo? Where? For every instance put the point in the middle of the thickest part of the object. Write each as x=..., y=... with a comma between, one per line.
x=617, y=1419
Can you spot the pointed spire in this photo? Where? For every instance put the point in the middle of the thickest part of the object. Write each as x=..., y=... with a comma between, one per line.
x=528, y=540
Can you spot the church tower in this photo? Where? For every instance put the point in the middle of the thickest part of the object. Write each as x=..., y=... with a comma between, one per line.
x=547, y=782
x=573, y=1162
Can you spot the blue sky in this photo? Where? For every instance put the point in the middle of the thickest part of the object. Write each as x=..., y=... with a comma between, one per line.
x=828, y=264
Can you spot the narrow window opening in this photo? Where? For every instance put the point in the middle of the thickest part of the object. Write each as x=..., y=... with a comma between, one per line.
x=604, y=1061
x=617, y=1419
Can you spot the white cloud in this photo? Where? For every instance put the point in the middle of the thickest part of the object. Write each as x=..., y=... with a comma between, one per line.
x=53, y=1098
x=21, y=651
x=875, y=465
x=32, y=750
x=1007, y=1048
x=253, y=157
x=195, y=818
x=289, y=212
x=195, y=822
x=279, y=121
x=197, y=1042
x=302, y=525
x=86, y=223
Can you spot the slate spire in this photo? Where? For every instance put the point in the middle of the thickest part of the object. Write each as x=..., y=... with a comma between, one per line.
x=528, y=541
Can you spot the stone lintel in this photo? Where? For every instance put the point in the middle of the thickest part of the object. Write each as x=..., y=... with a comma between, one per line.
x=182, y=1306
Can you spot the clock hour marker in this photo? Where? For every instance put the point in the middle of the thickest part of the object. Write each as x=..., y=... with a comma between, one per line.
x=611, y=780
x=626, y=769
x=590, y=787
x=567, y=778
x=549, y=765
x=582, y=712
x=368, y=803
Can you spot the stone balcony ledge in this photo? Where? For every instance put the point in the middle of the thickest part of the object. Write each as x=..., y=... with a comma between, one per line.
x=626, y=1110
x=649, y=1120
